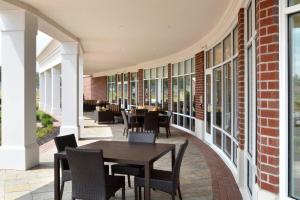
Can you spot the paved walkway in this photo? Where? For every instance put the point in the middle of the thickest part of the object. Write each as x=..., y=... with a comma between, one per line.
x=196, y=179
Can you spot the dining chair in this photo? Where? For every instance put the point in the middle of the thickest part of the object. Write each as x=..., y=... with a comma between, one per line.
x=61, y=143
x=151, y=122
x=89, y=180
x=166, y=181
x=129, y=125
x=166, y=123
x=133, y=170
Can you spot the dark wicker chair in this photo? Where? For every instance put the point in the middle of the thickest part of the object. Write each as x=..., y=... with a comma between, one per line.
x=166, y=124
x=104, y=116
x=89, y=180
x=166, y=181
x=61, y=143
x=128, y=125
x=151, y=122
x=133, y=170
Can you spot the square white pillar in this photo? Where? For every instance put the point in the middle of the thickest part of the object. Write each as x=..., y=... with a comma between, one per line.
x=55, y=97
x=70, y=88
x=19, y=149
x=80, y=104
x=42, y=91
x=48, y=91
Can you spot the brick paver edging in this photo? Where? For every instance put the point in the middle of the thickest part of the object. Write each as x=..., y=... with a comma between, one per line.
x=223, y=183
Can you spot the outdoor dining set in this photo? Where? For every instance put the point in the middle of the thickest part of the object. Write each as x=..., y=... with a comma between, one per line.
x=143, y=120
x=92, y=168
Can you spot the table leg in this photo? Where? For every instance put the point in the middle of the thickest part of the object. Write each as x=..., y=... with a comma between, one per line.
x=147, y=191
x=56, y=178
x=173, y=157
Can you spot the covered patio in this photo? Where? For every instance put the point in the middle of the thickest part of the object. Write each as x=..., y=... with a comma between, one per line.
x=220, y=77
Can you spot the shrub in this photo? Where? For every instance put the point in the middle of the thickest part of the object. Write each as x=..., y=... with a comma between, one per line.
x=39, y=115
x=44, y=131
x=47, y=121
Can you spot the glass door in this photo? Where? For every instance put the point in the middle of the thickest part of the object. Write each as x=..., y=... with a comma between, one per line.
x=208, y=106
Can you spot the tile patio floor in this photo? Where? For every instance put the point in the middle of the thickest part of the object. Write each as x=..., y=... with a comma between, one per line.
x=197, y=183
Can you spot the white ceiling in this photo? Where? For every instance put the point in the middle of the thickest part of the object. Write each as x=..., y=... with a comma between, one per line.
x=121, y=33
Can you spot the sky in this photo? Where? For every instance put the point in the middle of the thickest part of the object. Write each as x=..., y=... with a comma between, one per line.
x=42, y=40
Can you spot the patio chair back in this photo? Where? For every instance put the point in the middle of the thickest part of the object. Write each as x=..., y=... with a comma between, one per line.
x=141, y=137
x=151, y=122
x=141, y=111
x=124, y=119
x=178, y=161
x=88, y=176
x=61, y=143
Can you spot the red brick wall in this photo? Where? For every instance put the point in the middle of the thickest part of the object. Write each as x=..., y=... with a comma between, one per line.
x=140, y=87
x=170, y=86
x=95, y=88
x=241, y=78
x=199, y=93
x=268, y=95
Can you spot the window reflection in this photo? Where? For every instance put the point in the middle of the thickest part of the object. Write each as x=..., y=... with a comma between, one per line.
x=294, y=68
x=218, y=97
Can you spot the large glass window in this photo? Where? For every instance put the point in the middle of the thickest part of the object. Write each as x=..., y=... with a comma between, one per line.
x=217, y=57
x=235, y=41
x=112, y=89
x=208, y=104
x=156, y=87
x=227, y=96
x=293, y=2
x=125, y=89
x=221, y=96
x=120, y=88
x=227, y=48
x=218, y=88
x=133, y=88
x=251, y=96
x=183, y=94
x=294, y=104
x=209, y=58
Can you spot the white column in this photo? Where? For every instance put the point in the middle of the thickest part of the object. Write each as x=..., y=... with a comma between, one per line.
x=80, y=89
x=19, y=149
x=48, y=95
x=42, y=91
x=55, y=97
x=70, y=85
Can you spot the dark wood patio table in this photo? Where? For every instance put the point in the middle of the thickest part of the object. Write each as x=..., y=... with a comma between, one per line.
x=124, y=153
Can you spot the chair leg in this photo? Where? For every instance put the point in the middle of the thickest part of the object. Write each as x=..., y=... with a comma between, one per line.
x=62, y=189
x=179, y=192
x=173, y=196
x=128, y=178
x=140, y=193
x=167, y=132
x=123, y=192
x=135, y=192
x=124, y=132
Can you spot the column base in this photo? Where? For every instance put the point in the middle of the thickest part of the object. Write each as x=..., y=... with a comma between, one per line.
x=199, y=129
x=67, y=130
x=19, y=158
